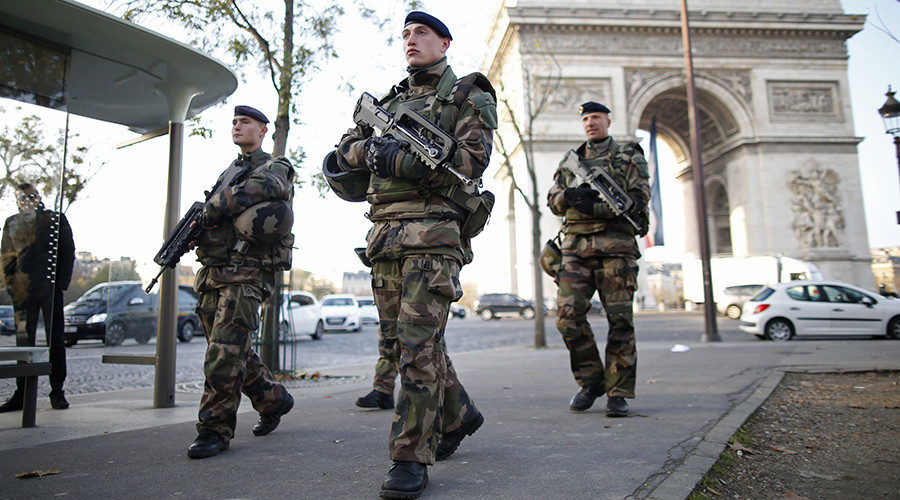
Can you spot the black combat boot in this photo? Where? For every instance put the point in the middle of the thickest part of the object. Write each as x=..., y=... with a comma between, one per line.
x=207, y=444
x=14, y=403
x=586, y=396
x=269, y=421
x=450, y=442
x=58, y=400
x=616, y=406
x=405, y=480
x=376, y=399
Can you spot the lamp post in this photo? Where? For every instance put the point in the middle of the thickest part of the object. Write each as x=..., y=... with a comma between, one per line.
x=890, y=113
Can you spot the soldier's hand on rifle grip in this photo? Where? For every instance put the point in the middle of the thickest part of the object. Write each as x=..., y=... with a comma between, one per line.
x=582, y=199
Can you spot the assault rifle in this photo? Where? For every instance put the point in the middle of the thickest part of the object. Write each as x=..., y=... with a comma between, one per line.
x=611, y=193
x=176, y=245
x=427, y=141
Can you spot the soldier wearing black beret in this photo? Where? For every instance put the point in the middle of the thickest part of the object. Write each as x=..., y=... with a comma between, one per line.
x=600, y=253
x=238, y=274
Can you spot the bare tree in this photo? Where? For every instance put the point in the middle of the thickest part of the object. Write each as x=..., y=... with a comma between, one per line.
x=523, y=128
x=287, y=51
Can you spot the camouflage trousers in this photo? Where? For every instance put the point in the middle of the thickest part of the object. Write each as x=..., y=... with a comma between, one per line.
x=229, y=313
x=413, y=297
x=385, y=372
x=615, y=279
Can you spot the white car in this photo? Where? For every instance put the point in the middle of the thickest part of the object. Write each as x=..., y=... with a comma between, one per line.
x=301, y=314
x=367, y=310
x=341, y=312
x=780, y=311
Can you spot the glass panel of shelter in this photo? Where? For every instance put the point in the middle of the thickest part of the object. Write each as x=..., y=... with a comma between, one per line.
x=36, y=249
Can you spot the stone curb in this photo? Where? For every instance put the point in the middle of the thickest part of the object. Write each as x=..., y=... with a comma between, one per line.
x=682, y=480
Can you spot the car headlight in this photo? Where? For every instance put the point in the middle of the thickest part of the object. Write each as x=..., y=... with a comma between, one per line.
x=97, y=318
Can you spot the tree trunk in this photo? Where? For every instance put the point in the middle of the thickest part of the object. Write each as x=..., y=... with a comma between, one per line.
x=540, y=339
x=282, y=117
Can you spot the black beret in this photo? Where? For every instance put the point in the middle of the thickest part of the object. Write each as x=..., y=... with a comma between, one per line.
x=593, y=107
x=251, y=112
x=428, y=20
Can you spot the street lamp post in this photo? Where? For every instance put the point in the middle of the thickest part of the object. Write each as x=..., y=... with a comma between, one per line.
x=890, y=113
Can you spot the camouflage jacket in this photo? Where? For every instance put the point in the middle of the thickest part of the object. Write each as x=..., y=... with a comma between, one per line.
x=36, y=248
x=409, y=215
x=251, y=179
x=602, y=233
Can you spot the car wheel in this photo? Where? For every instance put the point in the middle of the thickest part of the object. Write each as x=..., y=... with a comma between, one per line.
x=187, y=331
x=143, y=337
x=486, y=314
x=779, y=330
x=320, y=331
x=115, y=334
x=284, y=333
x=528, y=313
x=70, y=342
x=733, y=311
x=893, y=330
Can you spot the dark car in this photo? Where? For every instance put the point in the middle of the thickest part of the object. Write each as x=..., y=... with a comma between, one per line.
x=7, y=320
x=118, y=310
x=495, y=305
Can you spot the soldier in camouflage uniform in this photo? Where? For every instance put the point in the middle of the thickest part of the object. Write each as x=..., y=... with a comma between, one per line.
x=246, y=241
x=37, y=255
x=417, y=249
x=600, y=252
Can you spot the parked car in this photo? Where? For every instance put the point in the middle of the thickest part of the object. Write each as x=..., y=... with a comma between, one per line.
x=780, y=311
x=733, y=298
x=367, y=310
x=301, y=314
x=494, y=305
x=457, y=311
x=118, y=310
x=7, y=320
x=341, y=312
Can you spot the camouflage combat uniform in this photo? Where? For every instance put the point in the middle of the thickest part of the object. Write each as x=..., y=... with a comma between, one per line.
x=599, y=252
x=37, y=255
x=385, y=371
x=232, y=285
x=417, y=251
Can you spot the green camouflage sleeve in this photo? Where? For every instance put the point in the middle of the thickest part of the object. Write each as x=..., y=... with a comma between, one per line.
x=474, y=133
x=638, y=179
x=351, y=151
x=555, y=199
x=273, y=182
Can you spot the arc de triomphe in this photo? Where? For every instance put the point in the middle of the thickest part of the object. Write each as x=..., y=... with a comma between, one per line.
x=779, y=151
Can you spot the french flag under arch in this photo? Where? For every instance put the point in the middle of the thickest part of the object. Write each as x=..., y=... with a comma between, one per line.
x=655, y=234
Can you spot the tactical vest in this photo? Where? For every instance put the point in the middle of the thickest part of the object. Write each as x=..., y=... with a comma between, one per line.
x=398, y=198
x=219, y=246
x=615, y=161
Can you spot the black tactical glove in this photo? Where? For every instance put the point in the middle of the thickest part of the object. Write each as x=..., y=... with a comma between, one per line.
x=581, y=199
x=381, y=155
x=205, y=221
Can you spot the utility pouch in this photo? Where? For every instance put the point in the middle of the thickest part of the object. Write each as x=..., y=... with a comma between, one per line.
x=477, y=205
x=551, y=256
x=361, y=253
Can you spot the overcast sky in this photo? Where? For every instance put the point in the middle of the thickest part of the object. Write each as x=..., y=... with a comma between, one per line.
x=120, y=213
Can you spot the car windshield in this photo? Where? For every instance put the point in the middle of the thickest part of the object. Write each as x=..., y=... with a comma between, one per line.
x=337, y=302
x=6, y=312
x=366, y=302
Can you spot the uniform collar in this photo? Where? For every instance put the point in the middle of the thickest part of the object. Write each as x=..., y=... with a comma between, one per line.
x=426, y=77
x=599, y=147
x=254, y=157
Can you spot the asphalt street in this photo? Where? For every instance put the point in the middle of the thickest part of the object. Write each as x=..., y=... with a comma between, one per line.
x=87, y=374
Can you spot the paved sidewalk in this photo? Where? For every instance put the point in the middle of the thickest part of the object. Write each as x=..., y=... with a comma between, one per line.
x=112, y=445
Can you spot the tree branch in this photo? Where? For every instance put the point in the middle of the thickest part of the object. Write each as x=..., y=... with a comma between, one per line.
x=260, y=40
